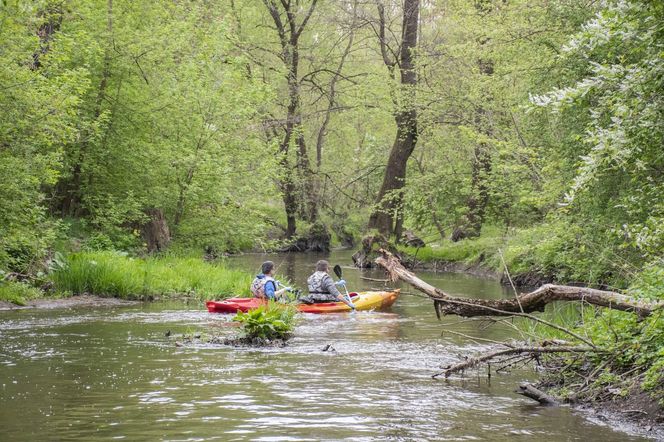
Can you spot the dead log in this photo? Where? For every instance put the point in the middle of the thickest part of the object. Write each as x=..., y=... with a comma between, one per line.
x=526, y=303
x=472, y=362
x=529, y=390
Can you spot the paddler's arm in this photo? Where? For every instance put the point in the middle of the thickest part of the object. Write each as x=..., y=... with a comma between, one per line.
x=332, y=288
x=343, y=299
x=281, y=291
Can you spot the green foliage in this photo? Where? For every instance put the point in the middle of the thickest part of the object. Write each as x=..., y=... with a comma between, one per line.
x=40, y=113
x=614, y=108
x=274, y=321
x=17, y=292
x=109, y=109
x=633, y=342
x=631, y=348
x=116, y=274
x=222, y=229
x=470, y=251
x=555, y=250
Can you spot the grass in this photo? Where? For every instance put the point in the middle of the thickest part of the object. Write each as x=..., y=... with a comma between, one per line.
x=115, y=274
x=555, y=250
x=469, y=251
x=17, y=292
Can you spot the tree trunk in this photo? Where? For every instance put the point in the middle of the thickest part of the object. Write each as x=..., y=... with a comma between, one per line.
x=527, y=303
x=290, y=204
x=390, y=196
x=471, y=226
x=155, y=232
x=289, y=32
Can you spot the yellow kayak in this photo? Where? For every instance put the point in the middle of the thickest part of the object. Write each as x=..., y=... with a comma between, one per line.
x=362, y=301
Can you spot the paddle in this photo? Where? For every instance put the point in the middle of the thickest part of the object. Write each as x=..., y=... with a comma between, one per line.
x=337, y=271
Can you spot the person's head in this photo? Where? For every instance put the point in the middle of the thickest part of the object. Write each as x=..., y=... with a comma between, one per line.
x=322, y=266
x=267, y=268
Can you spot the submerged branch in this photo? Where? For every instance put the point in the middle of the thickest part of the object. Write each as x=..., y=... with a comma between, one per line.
x=471, y=362
x=532, y=392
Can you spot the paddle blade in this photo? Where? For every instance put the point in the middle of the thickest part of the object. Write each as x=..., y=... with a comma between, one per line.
x=337, y=271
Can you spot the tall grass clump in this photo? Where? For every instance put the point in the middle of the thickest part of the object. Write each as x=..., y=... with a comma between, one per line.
x=115, y=274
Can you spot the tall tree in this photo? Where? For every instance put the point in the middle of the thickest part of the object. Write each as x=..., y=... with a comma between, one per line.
x=289, y=23
x=387, y=215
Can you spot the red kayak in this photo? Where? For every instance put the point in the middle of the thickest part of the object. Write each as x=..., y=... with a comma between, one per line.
x=362, y=301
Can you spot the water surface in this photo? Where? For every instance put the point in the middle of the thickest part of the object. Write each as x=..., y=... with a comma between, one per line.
x=112, y=373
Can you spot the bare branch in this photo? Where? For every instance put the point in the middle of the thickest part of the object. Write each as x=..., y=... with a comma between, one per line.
x=306, y=19
x=472, y=362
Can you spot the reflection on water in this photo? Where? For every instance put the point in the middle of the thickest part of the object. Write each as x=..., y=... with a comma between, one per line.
x=113, y=374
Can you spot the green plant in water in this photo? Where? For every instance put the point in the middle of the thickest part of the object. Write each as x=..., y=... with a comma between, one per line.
x=274, y=321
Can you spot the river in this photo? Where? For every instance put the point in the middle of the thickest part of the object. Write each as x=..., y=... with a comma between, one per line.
x=113, y=374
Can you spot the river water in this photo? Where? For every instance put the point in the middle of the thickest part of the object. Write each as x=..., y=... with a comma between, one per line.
x=112, y=373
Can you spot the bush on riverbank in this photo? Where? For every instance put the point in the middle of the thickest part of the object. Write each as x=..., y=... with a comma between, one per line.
x=556, y=251
x=17, y=292
x=115, y=274
x=630, y=350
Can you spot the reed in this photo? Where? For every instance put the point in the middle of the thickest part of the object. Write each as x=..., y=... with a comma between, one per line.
x=115, y=274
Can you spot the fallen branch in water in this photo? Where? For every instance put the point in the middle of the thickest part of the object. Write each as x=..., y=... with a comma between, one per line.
x=529, y=302
x=472, y=362
x=532, y=392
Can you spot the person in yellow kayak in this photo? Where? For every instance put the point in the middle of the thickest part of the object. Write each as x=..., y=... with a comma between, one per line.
x=323, y=289
x=264, y=285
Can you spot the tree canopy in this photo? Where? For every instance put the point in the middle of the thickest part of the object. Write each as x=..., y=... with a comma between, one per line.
x=247, y=122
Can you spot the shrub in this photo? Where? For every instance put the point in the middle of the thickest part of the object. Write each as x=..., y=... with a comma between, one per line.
x=17, y=292
x=274, y=321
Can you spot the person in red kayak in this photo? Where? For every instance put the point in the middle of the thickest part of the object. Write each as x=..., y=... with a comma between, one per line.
x=264, y=285
x=322, y=288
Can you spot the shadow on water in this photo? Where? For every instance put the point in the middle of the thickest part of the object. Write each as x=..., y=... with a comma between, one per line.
x=112, y=373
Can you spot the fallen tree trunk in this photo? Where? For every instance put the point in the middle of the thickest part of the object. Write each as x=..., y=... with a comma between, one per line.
x=529, y=302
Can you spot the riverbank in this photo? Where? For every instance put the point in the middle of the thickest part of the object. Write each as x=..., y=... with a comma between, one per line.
x=108, y=274
x=636, y=413
x=625, y=376
x=554, y=252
